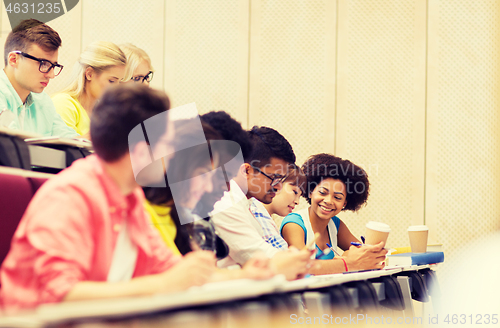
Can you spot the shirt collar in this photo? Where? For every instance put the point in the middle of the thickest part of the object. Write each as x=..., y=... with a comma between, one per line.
x=259, y=206
x=29, y=100
x=237, y=194
x=5, y=79
x=115, y=197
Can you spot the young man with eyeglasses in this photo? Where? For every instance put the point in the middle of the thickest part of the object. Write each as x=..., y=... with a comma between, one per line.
x=259, y=178
x=30, y=55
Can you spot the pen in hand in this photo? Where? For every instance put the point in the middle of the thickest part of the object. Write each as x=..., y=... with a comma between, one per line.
x=355, y=243
x=324, y=255
x=311, y=243
x=331, y=248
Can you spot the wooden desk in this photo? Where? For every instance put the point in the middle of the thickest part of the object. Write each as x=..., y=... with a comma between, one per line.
x=207, y=303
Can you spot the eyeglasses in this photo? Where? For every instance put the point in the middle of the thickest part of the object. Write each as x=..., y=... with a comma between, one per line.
x=274, y=180
x=45, y=65
x=148, y=78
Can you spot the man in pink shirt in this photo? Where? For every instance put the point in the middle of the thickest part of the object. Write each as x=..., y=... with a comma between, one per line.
x=85, y=234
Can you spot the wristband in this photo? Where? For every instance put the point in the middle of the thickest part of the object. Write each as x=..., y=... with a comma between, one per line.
x=345, y=264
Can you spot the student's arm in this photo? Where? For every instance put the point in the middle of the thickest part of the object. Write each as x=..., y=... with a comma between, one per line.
x=335, y=265
x=293, y=263
x=85, y=136
x=293, y=235
x=66, y=110
x=194, y=269
x=345, y=237
x=301, y=261
x=362, y=258
x=234, y=227
x=65, y=246
x=365, y=257
x=357, y=258
x=60, y=129
x=257, y=268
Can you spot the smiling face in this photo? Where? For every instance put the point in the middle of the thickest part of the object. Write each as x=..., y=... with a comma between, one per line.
x=328, y=198
x=285, y=201
x=28, y=77
x=98, y=82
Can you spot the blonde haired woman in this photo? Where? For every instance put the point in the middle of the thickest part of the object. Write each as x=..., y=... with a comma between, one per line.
x=138, y=69
x=101, y=64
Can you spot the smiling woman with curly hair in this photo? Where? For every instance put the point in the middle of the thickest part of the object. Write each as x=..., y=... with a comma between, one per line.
x=333, y=185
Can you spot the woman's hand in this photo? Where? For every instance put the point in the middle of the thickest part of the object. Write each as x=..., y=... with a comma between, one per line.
x=365, y=257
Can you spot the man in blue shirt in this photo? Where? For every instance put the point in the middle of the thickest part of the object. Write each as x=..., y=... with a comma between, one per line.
x=30, y=55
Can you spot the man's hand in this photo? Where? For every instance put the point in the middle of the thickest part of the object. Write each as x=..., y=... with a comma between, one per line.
x=193, y=270
x=258, y=268
x=365, y=257
x=293, y=263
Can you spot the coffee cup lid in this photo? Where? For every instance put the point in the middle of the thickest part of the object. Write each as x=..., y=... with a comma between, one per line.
x=378, y=226
x=418, y=228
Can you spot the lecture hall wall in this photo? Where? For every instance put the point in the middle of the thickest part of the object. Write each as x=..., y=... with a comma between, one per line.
x=406, y=88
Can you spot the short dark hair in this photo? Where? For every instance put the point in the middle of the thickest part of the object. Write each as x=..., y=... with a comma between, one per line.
x=28, y=32
x=120, y=109
x=268, y=143
x=229, y=129
x=323, y=166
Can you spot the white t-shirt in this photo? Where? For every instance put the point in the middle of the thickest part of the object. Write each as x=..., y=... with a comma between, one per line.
x=124, y=257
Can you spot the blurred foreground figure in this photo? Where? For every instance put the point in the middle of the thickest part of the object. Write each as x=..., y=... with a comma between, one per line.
x=85, y=234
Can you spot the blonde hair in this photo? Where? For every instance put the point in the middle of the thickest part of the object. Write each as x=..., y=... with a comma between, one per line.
x=99, y=55
x=135, y=56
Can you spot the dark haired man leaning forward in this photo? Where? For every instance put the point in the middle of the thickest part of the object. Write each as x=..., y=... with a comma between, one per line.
x=30, y=55
x=261, y=176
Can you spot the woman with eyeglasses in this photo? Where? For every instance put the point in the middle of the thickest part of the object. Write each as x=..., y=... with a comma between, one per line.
x=138, y=69
x=100, y=65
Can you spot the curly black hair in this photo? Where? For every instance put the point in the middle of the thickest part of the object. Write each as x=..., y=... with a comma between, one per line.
x=323, y=166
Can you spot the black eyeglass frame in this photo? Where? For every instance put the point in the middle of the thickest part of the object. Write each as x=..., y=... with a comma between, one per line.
x=275, y=180
x=41, y=61
x=148, y=78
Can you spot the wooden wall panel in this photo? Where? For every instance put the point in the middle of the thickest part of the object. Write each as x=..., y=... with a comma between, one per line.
x=381, y=108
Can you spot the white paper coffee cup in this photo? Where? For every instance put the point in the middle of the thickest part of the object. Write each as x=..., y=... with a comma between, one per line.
x=376, y=232
x=418, y=238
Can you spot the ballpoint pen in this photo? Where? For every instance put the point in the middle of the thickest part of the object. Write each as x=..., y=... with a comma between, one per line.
x=324, y=254
x=310, y=244
x=331, y=248
x=355, y=243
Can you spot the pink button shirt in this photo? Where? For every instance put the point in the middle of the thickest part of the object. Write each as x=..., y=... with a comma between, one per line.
x=68, y=234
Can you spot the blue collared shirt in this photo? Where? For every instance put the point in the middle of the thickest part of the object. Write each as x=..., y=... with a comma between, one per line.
x=37, y=114
x=269, y=228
